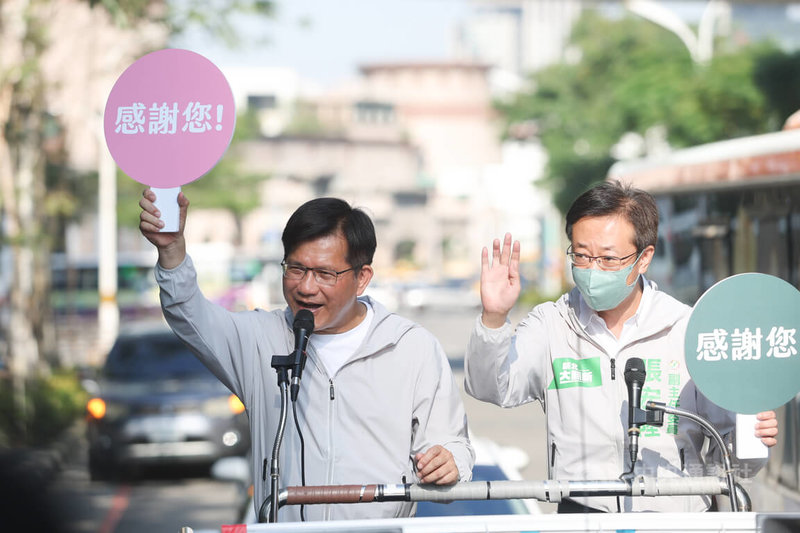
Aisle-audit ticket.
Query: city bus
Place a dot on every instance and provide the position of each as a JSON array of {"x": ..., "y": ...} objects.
[
  {"x": 726, "y": 208},
  {"x": 75, "y": 283}
]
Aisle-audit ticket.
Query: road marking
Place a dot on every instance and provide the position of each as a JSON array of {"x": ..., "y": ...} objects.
[{"x": 118, "y": 506}]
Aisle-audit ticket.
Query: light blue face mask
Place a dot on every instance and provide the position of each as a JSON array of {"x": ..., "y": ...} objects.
[{"x": 604, "y": 289}]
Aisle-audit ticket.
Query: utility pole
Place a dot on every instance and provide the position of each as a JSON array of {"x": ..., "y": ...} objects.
[{"x": 108, "y": 309}]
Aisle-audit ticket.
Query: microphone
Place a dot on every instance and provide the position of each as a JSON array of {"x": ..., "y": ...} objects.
[
  {"x": 634, "y": 378},
  {"x": 303, "y": 327}
]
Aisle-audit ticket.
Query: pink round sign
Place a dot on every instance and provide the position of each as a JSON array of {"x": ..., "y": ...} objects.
[{"x": 169, "y": 118}]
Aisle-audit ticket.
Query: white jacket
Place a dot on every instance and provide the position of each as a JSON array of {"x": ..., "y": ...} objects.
[
  {"x": 550, "y": 358},
  {"x": 394, "y": 397}
]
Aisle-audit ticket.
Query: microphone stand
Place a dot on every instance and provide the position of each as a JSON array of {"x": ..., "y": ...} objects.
[
  {"x": 281, "y": 364},
  {"x": 726, "y": 456},
  {"x": 643, "y": 418}
]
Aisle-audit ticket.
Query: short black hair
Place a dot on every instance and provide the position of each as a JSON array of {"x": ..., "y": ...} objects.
[
  {"x": 322, "y": 217},
  {"x": 613, "y": 198}
]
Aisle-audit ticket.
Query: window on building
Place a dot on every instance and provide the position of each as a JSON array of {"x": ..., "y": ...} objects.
[
  {"x": 410, "y": 199},
  {"x": 404, "y": 251},
  {"x": 261, "y": 101},
  {"x": 369, "y": 112}
]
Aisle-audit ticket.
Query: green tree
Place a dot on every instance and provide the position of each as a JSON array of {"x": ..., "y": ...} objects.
[
  {"x": 778, "y": 77},
  {"x": 634, "y": 76}
]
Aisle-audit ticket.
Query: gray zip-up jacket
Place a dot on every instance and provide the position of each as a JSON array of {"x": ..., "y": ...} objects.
[
  {"x": 395, "y": 397},
  {"x": 551, "y": 359}
]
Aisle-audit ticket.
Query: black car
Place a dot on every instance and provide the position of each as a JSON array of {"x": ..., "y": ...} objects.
[{"x": 158, "y": 405}]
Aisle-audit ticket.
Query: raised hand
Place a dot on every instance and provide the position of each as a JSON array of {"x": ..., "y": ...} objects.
[
  {"x": 171, "y": 245},
  {"x": 500, "y": 284},
  {"x": 767, "y": 428}
]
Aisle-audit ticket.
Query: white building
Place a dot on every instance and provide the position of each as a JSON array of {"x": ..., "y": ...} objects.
[{"x": 518, "y": 36}]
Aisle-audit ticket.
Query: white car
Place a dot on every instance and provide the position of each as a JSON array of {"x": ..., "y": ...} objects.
[{"x": 456, "y": 294}]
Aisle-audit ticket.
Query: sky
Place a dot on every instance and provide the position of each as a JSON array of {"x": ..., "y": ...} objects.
[{"x": 326, "y": 40}]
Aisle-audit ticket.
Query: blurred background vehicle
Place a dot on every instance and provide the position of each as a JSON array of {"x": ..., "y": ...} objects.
[
  {"x": 385, "y": 293},
  {"x": 156, "y": 404},
  {"x": 450, "y": 294}
]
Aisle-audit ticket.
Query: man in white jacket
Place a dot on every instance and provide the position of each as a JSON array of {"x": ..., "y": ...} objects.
[
  {"x": 570, "y": 355},
  {"x": 378, "y": 402}
]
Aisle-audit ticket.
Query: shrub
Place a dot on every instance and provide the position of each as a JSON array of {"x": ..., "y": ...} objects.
[
  {"x": 51, "y": 405},
  {"x": 531, "y": 298}
]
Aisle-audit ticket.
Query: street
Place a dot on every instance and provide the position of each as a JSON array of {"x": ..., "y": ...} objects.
[{"x": 152, "y": 503}]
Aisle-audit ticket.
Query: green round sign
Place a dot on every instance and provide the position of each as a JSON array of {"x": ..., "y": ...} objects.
[{"x": 741, "y": 343}]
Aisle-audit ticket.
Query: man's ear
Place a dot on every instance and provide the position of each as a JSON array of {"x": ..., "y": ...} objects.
[
  {"x": 363, "y": 278},
  {"x": 647, "y": 256}
]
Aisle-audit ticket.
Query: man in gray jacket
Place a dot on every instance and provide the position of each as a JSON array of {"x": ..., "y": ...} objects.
[
  {"x": 570, "y": 355},
  {"x": 378, "y": 402}
]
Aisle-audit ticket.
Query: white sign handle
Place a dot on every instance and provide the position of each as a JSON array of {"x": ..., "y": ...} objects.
[
  {"x": 748, "y": 446},
  {"x": 167, "y": 203}
]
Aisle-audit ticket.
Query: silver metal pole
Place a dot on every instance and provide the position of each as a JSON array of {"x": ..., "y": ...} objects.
[
  {"x": 547, "y": 491},
  {"x": 726, "y": 456}
]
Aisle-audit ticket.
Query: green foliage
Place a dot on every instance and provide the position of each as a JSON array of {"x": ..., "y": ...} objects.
[
  {"x": 215, "y": 17},
  {"x": 227, "y": 187},
  {"x": 531, "y": 297},
  {"x": 305, "y": 121},
  {"x": 633, "y": 76},
  {"x": 51, "y": 405},
  {"x": 125, "y": 12},
  {"x": 129, "y": 192},
  {"x": 248, "y": 126},
  {"x": 778, "y": 77}
]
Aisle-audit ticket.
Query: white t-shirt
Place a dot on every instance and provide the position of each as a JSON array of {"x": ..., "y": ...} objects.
[{"x": 335, "y": 349}]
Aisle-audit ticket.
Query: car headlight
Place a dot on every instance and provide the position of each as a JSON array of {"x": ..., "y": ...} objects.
[
  {"x": 225, "y": 406},
  {"x": 99, "y": 409},
  {"x": 230, "y": 438},
  {"x": 96, "y": 408},
  {"x": 235, "y": 404}
]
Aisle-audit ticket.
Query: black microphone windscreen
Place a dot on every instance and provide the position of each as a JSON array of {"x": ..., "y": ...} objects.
[
  {"x": 304, "y": 319},
  {"x": 634, "y": 371}
]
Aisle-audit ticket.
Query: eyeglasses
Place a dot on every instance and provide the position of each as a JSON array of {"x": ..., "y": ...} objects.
[
  {"x": 604, "y": 262},
  {"x": 321, "y": 275}
]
